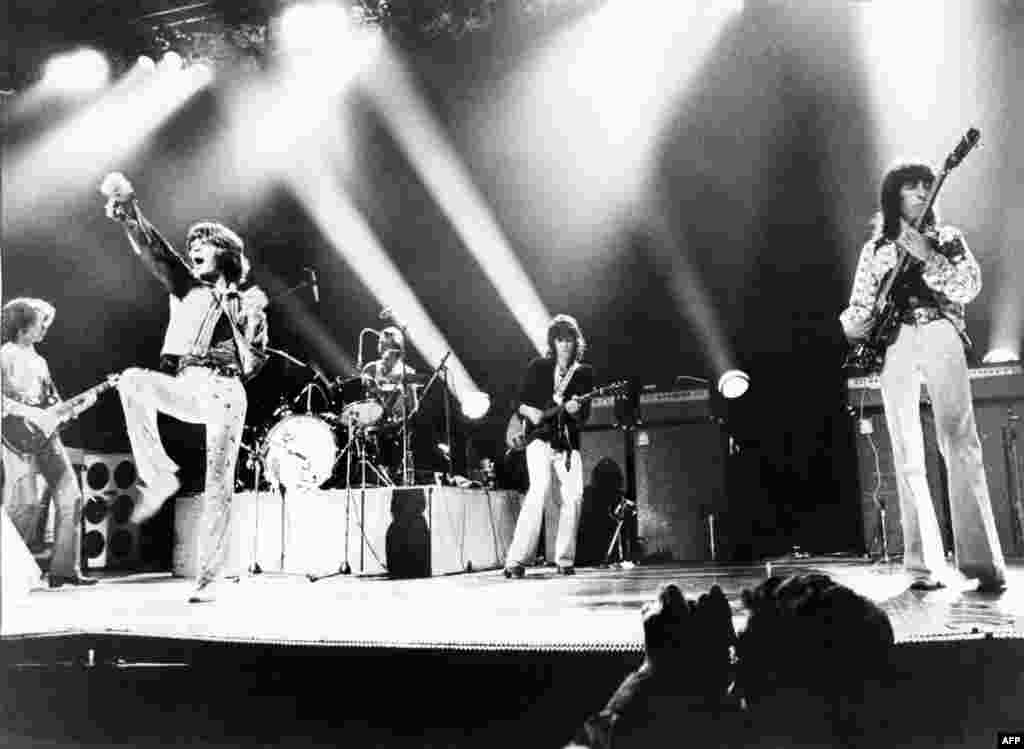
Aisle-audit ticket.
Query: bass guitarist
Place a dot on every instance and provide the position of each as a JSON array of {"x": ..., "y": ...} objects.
[
  {"x": 553, "y": 451},
  {"x": 29, "y": 392},
  {"x": 942, "y": 276}
]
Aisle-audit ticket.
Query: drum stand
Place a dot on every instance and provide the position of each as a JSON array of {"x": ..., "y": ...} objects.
[
  {"x": 356, "y": 443},
  {"x": 257, "y": 465}
]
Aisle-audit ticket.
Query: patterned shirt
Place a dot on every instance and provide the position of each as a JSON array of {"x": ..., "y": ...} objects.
[{"x": 951, "y": 272}]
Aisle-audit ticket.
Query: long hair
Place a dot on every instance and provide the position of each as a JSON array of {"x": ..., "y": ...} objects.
[
  {"x": 19, "y": 314},
  {"x": 887, "y": 220},
  {"x": 391, "y": 339},
  {"x": 565, "y": 326},
  {"x": 229, "y": 259}
]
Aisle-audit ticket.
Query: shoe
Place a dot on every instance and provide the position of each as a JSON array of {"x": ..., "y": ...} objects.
[
  {"x": 927, "y": 584},
  {"x": 992, "y": 585},
  {"x": 56, "y": 581},
  {"x": 567, "y": 570},
  {"x": 516, "y": 570},
  {"x": 203, "y": 593},
  {"x": 152, "y": 498}
]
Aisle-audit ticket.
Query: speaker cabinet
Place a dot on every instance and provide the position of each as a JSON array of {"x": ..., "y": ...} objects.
[
  {"x": 999, "y": 432},
  {"x": 605, "y": 479},
  {"x": 682, "y": 508},
  {"x": 110, "y": 540},
  {"x": 1002, "y": 444}
]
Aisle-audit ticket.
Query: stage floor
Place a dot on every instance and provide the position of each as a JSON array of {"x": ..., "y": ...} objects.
[{"x": 596, "y": 610}]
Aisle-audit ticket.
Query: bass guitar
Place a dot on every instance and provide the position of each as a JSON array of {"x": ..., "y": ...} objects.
[
  {"x": 26, "y": 438},
  {"x": 868, "y": 355},
  {"x": 520, "y": 431}
]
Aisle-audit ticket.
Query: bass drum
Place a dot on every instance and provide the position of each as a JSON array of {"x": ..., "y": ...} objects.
[{"x": 299, "y": 452}]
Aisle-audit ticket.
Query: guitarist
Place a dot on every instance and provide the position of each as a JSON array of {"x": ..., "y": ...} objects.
[
  {"x": 942, "y": 276},
  {"x": 553, "y": 453},
  {"x": 28, "y": 390}
]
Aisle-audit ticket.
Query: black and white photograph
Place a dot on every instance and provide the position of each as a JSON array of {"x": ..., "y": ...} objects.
[{"x": 454, "y": 373}]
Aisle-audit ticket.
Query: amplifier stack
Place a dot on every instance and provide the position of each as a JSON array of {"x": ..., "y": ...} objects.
[{"x": 671, "y": 453}]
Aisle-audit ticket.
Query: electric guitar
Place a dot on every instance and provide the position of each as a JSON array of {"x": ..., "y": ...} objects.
[
  {"x": 520, "y": 431},
  {"x": 868, "y": 355},
  {"x": 26, "y": 438}
]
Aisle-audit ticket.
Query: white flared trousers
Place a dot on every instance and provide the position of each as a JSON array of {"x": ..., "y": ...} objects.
[
  {"x": 198, "y": 396},
  {"x": 933, "y": 354},
  {"x": 546, "y": 468}
]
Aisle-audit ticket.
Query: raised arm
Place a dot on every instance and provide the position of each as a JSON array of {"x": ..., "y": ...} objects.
[{"x": 156, "y": 253}]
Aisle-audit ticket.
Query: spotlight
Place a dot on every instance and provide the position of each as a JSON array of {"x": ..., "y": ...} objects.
[
  {"x": 83, "y": 70},
  {"x": 145, "y": 64},
  {"x": 171, "y": 61},
  {"x": 475, "y": 405},
  {"x": 1000, "y": 356},
  {"x": 311, "y": 27},
  {"x": 733, "y": 384}
]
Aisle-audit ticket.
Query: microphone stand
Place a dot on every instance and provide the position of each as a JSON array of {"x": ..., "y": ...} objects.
[
  {"x": 359, "y": 346},
  {"x": 289, "y": 291},
  {"x": 441, "y": 367}
]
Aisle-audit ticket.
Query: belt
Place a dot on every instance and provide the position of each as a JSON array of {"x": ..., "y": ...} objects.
[
  {"x": 224, "y": 370},
  {"x": 921, "y": 315}
]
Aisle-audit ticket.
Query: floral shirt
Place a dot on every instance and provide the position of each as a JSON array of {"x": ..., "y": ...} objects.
[{"x": 952, "y": 273}]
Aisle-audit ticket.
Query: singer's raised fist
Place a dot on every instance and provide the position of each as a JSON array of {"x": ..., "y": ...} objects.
[{"x": 116, "y": 187}]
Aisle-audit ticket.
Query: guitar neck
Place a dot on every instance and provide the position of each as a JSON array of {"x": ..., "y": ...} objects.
[{"x": 72, "y": 407}]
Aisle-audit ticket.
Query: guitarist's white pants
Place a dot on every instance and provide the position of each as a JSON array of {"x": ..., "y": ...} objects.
[
  {"x": 547, "y": 471},
  {"x": 934, "y": 354},
  {"x": 197, "y": 396}
]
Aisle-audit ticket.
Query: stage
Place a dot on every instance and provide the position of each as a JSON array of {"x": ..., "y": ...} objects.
[
  {"x": 453, "y": 660},
  {"x": 597, "y": 610}
]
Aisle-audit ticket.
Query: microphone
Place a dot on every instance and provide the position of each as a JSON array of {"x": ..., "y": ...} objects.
[
  {"x": 116, "y": 186},
  {"x": 312, "y": 282}
]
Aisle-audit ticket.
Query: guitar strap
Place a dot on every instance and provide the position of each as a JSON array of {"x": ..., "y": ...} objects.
[
  {"x": 559, "y": 397},
  {"x": 563, "y": 383}
]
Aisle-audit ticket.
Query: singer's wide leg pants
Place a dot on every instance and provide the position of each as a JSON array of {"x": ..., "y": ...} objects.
[
  {"x": 547, "y": 467},
  {"x": 198, "y": 396},
  {"x": 933, "y": 353}
]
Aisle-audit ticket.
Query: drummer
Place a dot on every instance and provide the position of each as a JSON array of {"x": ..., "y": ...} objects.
[{"x": 386, "y": 376}]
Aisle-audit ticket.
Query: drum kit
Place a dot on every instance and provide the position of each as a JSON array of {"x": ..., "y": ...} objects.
[{"x": 349, "y": 434}]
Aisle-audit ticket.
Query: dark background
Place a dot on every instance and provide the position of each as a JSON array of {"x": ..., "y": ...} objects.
[{"x": 766, "y": 177}]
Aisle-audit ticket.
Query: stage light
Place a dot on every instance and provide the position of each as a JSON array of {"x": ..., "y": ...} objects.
[
  {"x": 733, "y": 384},
  {"x": 476, "y": 405},
  {"x": 306, "y": 25},
  {"x": 171, "y": 61},
  {"x": 82, "y": 70},
  {"x": 1000, "y": 356},
  {"x": 145, "y": 64}
]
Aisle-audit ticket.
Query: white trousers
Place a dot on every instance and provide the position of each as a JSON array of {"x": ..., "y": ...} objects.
[
  {"x": 934, "y": 354},
  {"x": 547, "y": 467},
  {"x": 197, "y": 396}
]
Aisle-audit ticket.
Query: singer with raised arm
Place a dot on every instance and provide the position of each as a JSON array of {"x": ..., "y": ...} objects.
[
  {"x": 216, "y": 338},
  {"x": 29, "y": 393},
  {"x": 937, "y": 278},
  {"x": 553, "y": 452}
]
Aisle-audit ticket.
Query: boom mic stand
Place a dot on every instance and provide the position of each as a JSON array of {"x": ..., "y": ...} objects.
[{"x": 441, "y": 367}]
